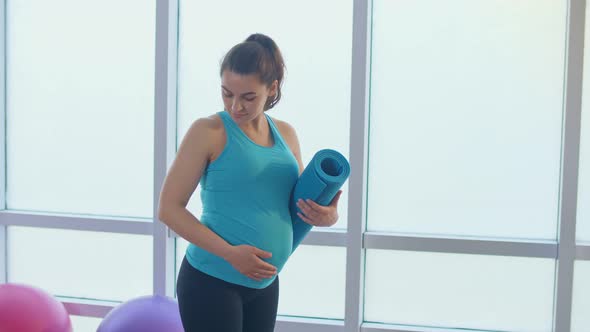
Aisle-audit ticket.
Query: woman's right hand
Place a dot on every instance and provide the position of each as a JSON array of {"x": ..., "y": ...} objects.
[{"x": 248, "y": 261}]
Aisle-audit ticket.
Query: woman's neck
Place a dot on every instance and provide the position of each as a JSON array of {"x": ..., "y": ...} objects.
[{"x": 256, "y": 125}]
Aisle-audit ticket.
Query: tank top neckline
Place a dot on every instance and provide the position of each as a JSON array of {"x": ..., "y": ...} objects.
[{"x": 224, "y": 115}]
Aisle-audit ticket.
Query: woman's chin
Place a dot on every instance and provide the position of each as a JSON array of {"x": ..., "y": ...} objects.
[{"x": 238, "y": 117}]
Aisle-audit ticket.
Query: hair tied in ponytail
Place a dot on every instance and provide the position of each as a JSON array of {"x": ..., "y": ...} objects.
[{"x": 259, "y": 55}]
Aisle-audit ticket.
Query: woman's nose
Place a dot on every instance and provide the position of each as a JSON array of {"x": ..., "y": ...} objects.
[{"x": 236, "y": 105}]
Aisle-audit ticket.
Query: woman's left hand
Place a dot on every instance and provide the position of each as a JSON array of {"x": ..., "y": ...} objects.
[{"x": 318, "y": 215}]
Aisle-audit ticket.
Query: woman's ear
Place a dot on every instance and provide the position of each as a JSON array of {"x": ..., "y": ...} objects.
[{"x": 273, "y": 88}]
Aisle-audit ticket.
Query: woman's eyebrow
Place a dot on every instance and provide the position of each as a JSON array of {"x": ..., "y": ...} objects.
[{"x": 243, "y": 94}]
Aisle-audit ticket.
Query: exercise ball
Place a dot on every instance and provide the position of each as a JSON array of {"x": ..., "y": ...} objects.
[
  {"x": 153, "y": 313},
  {"x": 25, "y": 308}
]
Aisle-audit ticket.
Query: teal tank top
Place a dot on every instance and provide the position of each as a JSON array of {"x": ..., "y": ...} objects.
[{"x": 245, "y": 194}]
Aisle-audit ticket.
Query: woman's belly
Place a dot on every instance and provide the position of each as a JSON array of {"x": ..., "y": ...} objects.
[{"x": 271, "y": 233}]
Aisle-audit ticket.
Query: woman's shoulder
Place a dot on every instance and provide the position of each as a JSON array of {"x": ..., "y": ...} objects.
[
  {"x": 211, "y": 122},
  {"x": 207, "y": 129},
  {"x": 210, "y": 126},
  {"x": 286, "y": 129},
  {"x": 208, "y": 132},
  {"x": 288, "y": 133}
]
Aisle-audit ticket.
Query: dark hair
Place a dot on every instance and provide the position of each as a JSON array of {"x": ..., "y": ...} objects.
[{"x": 258, "y": 54}]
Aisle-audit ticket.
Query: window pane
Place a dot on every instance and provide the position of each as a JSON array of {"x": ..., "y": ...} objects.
[
  {"x": 581, "y": 298},
  {"x": 466, "y": 117},
  {"x": 80, "y": 106},
  {"x": 316, "y": 94},
  {"x": 583, "y": 216},
  {"x": 312, "y": 281},
  {"x": 85, "y": 324},
  {"x": 80, "y": 264},
  {"x": 459, "y": 291}
]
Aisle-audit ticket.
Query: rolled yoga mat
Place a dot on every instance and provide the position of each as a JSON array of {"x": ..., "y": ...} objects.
[{"x": 320, "y": 181}]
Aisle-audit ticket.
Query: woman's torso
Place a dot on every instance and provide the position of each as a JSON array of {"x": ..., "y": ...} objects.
[{"x": 245, "y": 193}]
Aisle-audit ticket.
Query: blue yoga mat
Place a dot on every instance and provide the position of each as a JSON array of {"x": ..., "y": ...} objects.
[{"x": 320, "y": 181}]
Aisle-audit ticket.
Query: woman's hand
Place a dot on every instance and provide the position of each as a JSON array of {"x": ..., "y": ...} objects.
[
  {"x": 318, "y": 215},
  {"x": 248, "y": 261}
]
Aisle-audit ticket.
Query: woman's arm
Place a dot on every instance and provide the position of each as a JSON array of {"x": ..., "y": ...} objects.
[{"x": 180, "y": 183}]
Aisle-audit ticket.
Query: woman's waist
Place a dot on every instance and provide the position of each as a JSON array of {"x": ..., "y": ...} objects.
[
  {"x": 274, "y": 234},
  {"x": 238, "y": 202},
  {"x": 252, "y": 217}
]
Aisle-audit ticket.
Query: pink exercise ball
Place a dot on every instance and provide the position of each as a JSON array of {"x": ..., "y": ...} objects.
[{"x": 26, "y": 308}]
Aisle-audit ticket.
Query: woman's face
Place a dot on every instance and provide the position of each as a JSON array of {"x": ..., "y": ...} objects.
[{"x": 244, "y": 96}]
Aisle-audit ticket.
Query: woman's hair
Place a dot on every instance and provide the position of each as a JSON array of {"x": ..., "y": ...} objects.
[{"x": 258, "y": 54}]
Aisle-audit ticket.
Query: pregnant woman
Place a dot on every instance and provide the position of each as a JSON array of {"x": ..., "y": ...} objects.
[{"x": 247, "y": 164}]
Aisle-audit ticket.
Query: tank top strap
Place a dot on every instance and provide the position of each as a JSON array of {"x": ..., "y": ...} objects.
[
  {"x": 276, "y": 133},
  {"x": 227, "y": 122},
  {"x": 232, "y": 131}
]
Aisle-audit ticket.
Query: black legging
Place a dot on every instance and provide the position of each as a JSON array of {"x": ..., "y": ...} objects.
[{"x": 209, "y": 304}]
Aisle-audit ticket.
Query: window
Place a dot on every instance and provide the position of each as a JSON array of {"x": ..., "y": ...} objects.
[
  {"x": 465, "y": 129},
  {"x": 80, "y": 106},
  {"x": 459, "y": 291},
  {"x": 80, "y": 264}
]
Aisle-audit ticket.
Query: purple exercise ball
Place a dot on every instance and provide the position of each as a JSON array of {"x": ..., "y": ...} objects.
[{"x": 153, "y": 313}]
